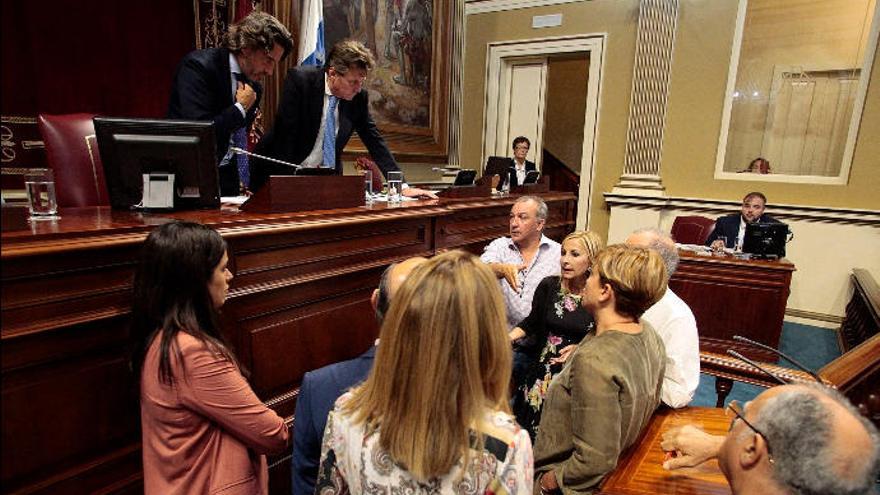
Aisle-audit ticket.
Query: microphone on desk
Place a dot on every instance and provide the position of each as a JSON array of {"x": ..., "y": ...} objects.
[
  {"x": 780, "y": 354},
  {"x": 757, "y": 366},
  {"x": 237, "y": 150}
]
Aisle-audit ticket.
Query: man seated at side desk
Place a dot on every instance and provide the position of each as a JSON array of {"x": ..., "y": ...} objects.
[
  {"x": 730, "y": 230},
  {"x": 792, "y": 439},
  {"x": 320, "y": 388}
]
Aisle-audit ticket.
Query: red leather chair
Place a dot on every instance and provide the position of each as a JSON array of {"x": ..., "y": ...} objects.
[
  {"x": 72, "y": 153},
  {"x": 692, "y": 229}
]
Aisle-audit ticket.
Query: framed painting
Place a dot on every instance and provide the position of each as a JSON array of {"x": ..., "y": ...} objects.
[{"x": 409, "y": 87}]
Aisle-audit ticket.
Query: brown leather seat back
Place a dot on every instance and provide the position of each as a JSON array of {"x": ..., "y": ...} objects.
[
  {"x": 692, "y": 229},
  {"x": 72, "y": 152}
]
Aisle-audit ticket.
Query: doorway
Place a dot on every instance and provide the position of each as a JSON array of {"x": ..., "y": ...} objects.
[{"x": 547, "y": 90}]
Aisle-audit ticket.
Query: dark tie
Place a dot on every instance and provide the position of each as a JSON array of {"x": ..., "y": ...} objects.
[
  {"x": 329, "y": 147},
  {"x": 240, "y": 140}
]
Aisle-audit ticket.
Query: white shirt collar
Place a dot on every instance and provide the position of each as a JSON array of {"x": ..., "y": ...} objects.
[
  {"x": 234, "y": 68},
  {"x": 327, "y": 91}
]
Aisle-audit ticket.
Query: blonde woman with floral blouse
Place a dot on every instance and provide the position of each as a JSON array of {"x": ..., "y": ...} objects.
[
  {"x": 433, "y": 416},
  {"x": 555, "y": 326}
]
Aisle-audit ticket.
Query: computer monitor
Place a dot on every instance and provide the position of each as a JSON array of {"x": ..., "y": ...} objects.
[
  {"x": 765, "y": 240},
  {"x": 132, "y": 147},
  {"x": 465, "y": 177}
]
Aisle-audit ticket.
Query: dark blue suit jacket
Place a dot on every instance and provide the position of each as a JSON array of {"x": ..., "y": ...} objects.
[
  {"x": 319, "y": 390},
  {"x": 728, "y": 226},
  {"x": 298, "y": 122},
  {"x": 202, "y": 90},
  {"x": 514, "y": 181}
]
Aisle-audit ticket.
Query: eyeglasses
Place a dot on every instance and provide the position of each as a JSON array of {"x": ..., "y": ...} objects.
[{"x": 734, "y": 407}]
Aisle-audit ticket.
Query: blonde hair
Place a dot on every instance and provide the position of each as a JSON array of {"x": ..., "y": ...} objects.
[
  {"x": 443, "y": 361},
  {"x": 590, "y": 240},
  {"x": 637, "y": 275}
]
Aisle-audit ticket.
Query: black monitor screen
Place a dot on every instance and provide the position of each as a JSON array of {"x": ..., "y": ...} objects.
[
  {"x": 131, "y": 148},
  {"x": 765, "y": 239}
]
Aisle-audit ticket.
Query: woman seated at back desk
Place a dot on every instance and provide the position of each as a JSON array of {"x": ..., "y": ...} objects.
[{"x": 610, "y": 386}]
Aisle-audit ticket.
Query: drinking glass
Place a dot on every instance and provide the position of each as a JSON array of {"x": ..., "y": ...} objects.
[
  {"x": 723, "y": 243},
  {"x": 368, "y": 186},
  {"x": 395, "y": 183},
  {"x": 40, "y": 186}
]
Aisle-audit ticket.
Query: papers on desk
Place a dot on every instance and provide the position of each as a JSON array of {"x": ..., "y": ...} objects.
[
  {"x": 696, "y": 248},
  {"x": 233, "y": 200},
  {"x": 701, "y": 250},
  {"x": 383, "y": 198}
]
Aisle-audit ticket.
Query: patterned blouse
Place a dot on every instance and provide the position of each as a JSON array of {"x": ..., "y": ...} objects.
[{"x": 353, "y": 462}]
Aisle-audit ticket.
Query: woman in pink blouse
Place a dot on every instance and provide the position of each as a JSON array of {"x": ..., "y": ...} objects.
[{"x": 204, "y": 429}]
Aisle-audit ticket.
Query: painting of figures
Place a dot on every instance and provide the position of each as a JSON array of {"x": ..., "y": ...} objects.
[{"x": 400, "y": 34}]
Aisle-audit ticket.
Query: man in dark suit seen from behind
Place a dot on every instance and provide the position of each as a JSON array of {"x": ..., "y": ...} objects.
[
  {"x": 733, "y": 227},
  {"x": 319, "y": 111},
  {"x": 223, "y": 85},
  {"x": 320, "y": 388}
]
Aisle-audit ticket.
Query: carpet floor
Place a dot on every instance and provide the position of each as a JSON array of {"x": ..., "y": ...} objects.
[{"x": 813, "y": 347}]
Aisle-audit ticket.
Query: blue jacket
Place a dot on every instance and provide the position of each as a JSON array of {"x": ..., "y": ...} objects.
[
  {"x": 728, "y": 226},
  {"x": 319, "y": 390}
]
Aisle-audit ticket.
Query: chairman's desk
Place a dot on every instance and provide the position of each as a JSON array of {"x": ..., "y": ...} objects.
[
  {"x": 299, "y": 300},
  {"x": 730, "y": 296}
]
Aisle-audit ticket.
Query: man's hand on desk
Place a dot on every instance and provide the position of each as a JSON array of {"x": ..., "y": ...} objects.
[
  {"x": 688, "y": 446},
  {"x": 415, "y": 192}
]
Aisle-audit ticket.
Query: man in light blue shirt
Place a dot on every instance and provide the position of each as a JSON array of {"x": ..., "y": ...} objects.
[{"x": 525, "y": 258}]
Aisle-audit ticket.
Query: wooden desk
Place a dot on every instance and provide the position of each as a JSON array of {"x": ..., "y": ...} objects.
[
  {"x": 735, "y": 297},
  {"x": 299, "y": 301},
  {"x": 640, "y": 471}
]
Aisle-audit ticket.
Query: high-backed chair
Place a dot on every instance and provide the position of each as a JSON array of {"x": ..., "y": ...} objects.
[
  {"x": 72, "y": 153},
  {"x": 692, "y": 229}
]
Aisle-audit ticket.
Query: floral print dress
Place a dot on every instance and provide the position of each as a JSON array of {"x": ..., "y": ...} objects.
[
  {"x": 556, "y": 321},
  {"x": 353, "y": 462}
]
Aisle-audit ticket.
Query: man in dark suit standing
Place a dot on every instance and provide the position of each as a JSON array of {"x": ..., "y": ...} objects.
[
  {"x": 519, "y": 166},
  {"x": 319, "y": 111},
  {"x": 320, "y": 388},
  {"x": 221, "y": 85},
  {"x": 733, "y": 227}
]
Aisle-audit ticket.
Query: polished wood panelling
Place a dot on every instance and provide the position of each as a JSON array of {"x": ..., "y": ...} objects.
[
  {"x": 299, "y": 300},
  {"x": 640, "y": 471},
  {"x": 734, "y": 297},
  {"x": 862, "y": 312}
]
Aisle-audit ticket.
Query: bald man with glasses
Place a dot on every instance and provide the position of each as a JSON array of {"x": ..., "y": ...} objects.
[{"x": 804, "y": 438}]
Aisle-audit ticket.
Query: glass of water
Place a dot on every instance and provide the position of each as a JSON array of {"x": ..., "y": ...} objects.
[
  {"x": 395, "y": 183},
  {"x": 368, "y": 186},
  {"x": 40, "y": 186}
]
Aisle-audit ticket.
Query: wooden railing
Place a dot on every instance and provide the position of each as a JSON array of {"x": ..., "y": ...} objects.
[
  {"x": 856, "y": 373},
  {"x": 562, "y": 178},
  {"x": 863, "y": 311}
]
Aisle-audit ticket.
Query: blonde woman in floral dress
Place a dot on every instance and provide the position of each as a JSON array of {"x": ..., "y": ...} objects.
[{"x": 555, "y": 326}]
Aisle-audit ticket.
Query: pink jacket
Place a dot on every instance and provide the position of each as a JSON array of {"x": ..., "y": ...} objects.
[{"x": 208, "y": 432}]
